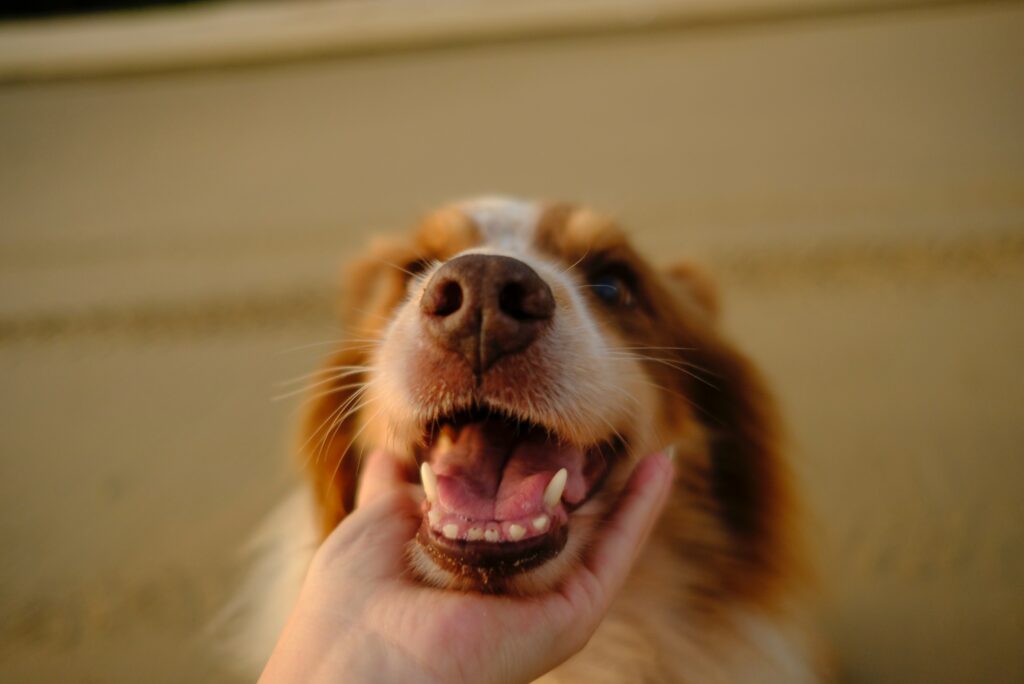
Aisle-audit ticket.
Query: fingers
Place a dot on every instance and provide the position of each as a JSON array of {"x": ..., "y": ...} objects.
[
  {"x": 370, "y": 542},
  {"x": 381, "y": 473},
  {"x": 642, "y": 502},
  {"x": 386, "y": 515}
]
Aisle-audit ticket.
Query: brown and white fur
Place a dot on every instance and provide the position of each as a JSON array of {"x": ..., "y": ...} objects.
[{"x": 718, "y": 593}]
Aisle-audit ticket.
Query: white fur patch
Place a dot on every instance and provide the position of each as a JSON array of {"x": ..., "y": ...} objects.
[
  {"x": 281, "y": 550},
  {"x": 504, "y": 222},
  {"x": 773, "y": 649}
]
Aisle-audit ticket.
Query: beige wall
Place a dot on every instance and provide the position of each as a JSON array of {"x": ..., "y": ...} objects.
[{"x": 855, "y": 179}]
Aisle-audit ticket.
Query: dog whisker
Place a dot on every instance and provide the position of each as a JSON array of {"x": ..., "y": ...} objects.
[
  {"x": 374, "y": 315},
  {"x": 335, "y": 343},
  {"x": 654, "y": 348},
  {"x": 337, "y": 422},
  {"x": 317, "y": 395},
  {"x": 328, "y": 420},
  {"x": 397, "y": 267},
  {"x": 676, "y": 366},
  {"x": 354, "y": 439},
  {"x": 326, "y": 375},
  {"x": 577, "y": 262}
]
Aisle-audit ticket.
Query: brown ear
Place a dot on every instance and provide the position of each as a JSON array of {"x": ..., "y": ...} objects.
[
  {"x": 748, "y": 475},
  {"x": 373, "y": 282},
  {"x": 746, "y": 478},
  {"x": 371, "y": 287},
  {"x": 695, "y": 288}
]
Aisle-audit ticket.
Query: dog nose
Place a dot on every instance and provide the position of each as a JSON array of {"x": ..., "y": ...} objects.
[{"x": 486, "y": 306}]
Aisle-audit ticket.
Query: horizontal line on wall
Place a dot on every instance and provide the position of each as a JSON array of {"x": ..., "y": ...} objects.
[
  {"x": 982, "y": 257},
  {"x": 825, "y": 263},
  {"x": 170, "y": 321}
]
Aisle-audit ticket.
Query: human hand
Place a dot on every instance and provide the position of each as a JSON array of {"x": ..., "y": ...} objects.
[{"x": 361, "y": 617}]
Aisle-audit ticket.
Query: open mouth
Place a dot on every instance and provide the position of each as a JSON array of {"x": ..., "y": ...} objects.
[{"x": 500, "y": 491}]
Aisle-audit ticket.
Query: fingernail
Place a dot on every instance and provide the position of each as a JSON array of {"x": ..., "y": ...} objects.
[{"x": 670, "y": 452}]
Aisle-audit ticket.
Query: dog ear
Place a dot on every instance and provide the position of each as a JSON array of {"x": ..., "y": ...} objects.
[
  {"x": 695, "y": 289},
  {"x": 371, "y": 287},
  {"x": 746, "y": 477},
  {"x": 375, "y": 282}
]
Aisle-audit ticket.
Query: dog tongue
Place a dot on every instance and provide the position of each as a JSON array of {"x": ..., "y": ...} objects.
[{"x": 492, "y": 471}]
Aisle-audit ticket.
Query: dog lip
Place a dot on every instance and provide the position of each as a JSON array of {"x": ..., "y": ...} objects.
[
  {"x": 485, "y": 562},
  {"x": 446, "y": 424}
]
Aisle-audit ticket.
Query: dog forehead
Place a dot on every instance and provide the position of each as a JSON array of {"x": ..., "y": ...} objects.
[
  {"x": 530, "y": 230},
  {"x": 504, "y": 223}
]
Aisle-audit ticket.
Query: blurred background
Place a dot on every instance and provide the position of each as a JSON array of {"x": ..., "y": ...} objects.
[{"x": 178, "y": 186}]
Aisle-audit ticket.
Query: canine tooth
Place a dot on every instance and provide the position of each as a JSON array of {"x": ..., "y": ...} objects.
[
  {"x": 429, "y": 480},
  {"x": 491, "y": 535},
  {"x": 540, "y": 523},
  {"x": 434, "y": 516},
  {"x": 443, "y": 443},
  {"x": 516, "y": 532},
  {"x": 451, "y": 530},
  {"x": 553, "y": 493},
  {"x": 474, "y": 534}
]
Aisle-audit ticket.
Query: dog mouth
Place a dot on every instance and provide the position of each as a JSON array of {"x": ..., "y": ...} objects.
[{"x": 500, "y": 491}]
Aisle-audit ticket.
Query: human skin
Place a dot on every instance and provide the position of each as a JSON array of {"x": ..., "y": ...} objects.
[{"x": 362, "y": 618}]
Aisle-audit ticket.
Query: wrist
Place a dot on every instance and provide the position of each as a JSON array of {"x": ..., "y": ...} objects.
[
  {"x": 374, "y": 659},
  {"x": 313, "y": 651}
]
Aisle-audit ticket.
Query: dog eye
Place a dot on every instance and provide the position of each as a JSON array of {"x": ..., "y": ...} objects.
[
  {"x": 611, "y": 289},
  {"x": 415, "y": 267}
]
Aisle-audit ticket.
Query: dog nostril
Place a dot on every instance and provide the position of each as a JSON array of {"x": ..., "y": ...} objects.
[
  {"x": 510, "y": 299},
  {"x": 447, "y": 299},
  {"x": 523, "y": 304}
]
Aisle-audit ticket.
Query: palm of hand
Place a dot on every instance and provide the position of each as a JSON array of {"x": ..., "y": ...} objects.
[
  {"x": 481, "y": 637},
  {"x": 362, "y": 618}
]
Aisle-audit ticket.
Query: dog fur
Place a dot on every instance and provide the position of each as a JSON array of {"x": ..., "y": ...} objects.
[{"x": 720, "y": 592}]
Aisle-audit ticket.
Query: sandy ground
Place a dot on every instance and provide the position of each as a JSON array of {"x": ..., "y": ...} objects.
[{"x": 168, "y": 252}]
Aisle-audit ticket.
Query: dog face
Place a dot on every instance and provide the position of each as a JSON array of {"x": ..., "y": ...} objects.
[{"x": 520, "y": 357}]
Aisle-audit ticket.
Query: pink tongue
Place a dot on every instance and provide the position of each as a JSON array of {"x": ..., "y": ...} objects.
[{"x": 491, "y": 473}]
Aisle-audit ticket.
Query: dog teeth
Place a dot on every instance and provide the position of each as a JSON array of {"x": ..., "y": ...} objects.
[
  {"x": 553, "y": 493},
  {"x": 514, "y": 532},
  {"x": 443, "y": 444},
  {"x": 429, "y": 480}
]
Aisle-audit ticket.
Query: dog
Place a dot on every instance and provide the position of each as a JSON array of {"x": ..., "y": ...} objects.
[{"x": 520, "y": 357}]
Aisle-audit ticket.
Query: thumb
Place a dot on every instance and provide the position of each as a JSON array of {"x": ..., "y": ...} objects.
[
  {"x": 642, "y": 502},
  {"x": 381, "y": 474},
  {"x": 384, "y": 519}
]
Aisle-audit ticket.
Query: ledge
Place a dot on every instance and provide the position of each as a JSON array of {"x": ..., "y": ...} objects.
[{"x": 239, "y": 34}]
